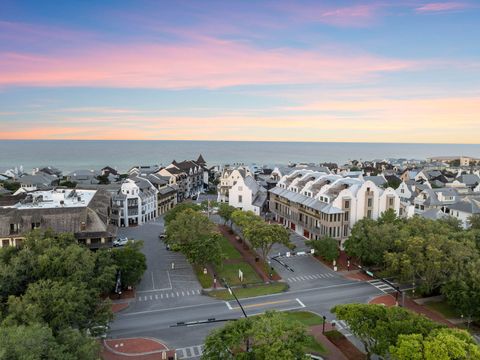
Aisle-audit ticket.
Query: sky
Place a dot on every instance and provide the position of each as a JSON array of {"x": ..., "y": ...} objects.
[{"x": 354, "y": 71}]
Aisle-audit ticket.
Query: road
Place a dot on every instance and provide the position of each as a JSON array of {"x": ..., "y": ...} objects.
[{"x": 167, "y": 296}]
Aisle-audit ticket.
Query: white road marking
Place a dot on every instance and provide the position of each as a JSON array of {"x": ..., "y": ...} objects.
[
  {"x": 228, "y": 305},
  {"x": 301, "y": 303},
  {"x": 188, "y": 293},
  {"x": 153, "y": 282}
]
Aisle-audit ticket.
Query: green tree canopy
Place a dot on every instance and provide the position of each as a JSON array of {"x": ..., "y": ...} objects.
[
  {"x": 192, "y": 233},
  {"x": 172, "y": 213},
  {"x": 441, "y": 344},
  {"x": 463, "y": 289},
  {"x": 327, "y": 248},
  {"x": 269, "y": 337},
  {"x": 378, "y": 327},
  {"x": 132, "y": 263},
  {"x": 244, "y": 218},
  {"x": 60, "y": 305},
  {"x": 226, "y": 211},
  {"x": 263, "y": 236},
  {"x": 474, "y": 221}
]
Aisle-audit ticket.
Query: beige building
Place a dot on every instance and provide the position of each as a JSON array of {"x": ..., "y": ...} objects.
[
  {"x": 85, "y": 213},
  {"x": 316, "y": 204}
]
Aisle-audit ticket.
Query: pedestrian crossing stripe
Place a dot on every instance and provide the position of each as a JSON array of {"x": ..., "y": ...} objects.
[
  {"x": 310, "y": 277},
  {"x": 169, "y": 295},
  {"x": 383, "y": 287},
  {"x": 189, "y": 352}
]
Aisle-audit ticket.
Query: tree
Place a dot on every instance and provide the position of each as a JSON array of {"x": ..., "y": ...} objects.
[
  {"x": 131, "y": 262},
  {"x": 369, "y": 240},
  {"x": 195, "y": 236},
  {"x": 474, "y": 221},
  {"x": 327, "y": 248},
  {"x": 187, "y": 227},
  {"x": 452, "y": 222},
  {"x": 243, "y": 218},
  {"x": 463, "y": 290},
  {"x": 172, "y": 213},
  {"x": 441, "y": 344},
  {"x": 11, "y": 185},
  {"x": 263, "y": 236},
  {"x": 226, "y": 211},
  {"x": 58, "y": 304},
  {"x": 36, "y": 341},
  {"x": 205, "y": 251},
  {"x": 269, "y": 336},
  {"x": 378, "y": 327}
]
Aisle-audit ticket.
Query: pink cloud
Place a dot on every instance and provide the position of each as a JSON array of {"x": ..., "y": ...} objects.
[
  {"x": 441, "y": 7},
  {"x": 207, "y": 63},
  {"x": 349, "y": 16}
]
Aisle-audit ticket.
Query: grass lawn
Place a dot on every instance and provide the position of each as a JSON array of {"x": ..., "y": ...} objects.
[
  {"x": 314, "y": 347},
  {"x": 228, "y": 250},
  {"x": 205, "y": 280},
  {"x": 443, "y": 308},
  {"x": 230, "y": 273},
  {"x": 250, "y": 291},
  {"x": 307, "y": 318}
]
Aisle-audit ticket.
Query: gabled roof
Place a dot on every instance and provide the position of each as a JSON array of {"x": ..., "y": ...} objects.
[
  {"x": 201, "y": 160},
  {"x": 377, "y": 180},
  {"x": 251, "y": 184}
]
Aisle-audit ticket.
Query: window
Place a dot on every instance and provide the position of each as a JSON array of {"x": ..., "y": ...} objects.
[
  {"x": 369, "y": 202},
  {"x": 14, "y": 229},
  {"x": 390, "y": 201},
  {"x": 369, "y": 214},
  {"x": 240, "y": 188},
  {"x": 35, "y": 225},
  {"x": 240, "y": 198},
  {"x": 346, "y": 216},
  {"x": 347, "y": 204}
]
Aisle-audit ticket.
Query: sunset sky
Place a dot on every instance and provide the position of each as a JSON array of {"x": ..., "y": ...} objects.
[{"x": 366, "y": 71}]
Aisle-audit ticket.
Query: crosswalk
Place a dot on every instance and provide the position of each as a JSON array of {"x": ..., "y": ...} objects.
[
  {"x": 310, "y": 277},
  {"x": 380, "y": 285},
  {"x": 169, "y": 295},
  {"x": 190, "y": 352}
]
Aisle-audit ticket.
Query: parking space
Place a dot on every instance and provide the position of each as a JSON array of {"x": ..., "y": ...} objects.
[{"x": 169, "y": 277}]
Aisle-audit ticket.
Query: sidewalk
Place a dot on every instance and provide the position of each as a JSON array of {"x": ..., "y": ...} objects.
[{"x": 135, "y": 348}]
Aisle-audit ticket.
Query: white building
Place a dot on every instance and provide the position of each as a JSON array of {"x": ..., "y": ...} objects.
[
  {"x": 229, "y": 177},
  {"x": 247, "y": 195},
  {"x": 135, "y": 203}
]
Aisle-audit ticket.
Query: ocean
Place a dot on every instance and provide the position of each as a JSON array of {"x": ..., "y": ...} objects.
[{"x": 70, "y": 155}]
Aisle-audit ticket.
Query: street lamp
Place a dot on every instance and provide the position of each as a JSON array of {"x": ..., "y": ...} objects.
[{"x": 230, "y": 290}]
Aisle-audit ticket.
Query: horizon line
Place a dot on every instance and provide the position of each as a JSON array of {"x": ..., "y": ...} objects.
[{"x": 267, "y": 141}]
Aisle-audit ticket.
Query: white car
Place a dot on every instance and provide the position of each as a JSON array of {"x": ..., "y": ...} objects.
[{"x": 120, "y": 242}]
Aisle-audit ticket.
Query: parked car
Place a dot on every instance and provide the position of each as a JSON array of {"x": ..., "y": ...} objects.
[
  {"x": 120, "y": 242},
  {"x": 99, "y": 331},
  {"x": 162, "y": 236}
]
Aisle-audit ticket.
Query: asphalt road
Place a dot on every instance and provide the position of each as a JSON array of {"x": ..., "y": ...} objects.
[{"x": 168, "y": 296}]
